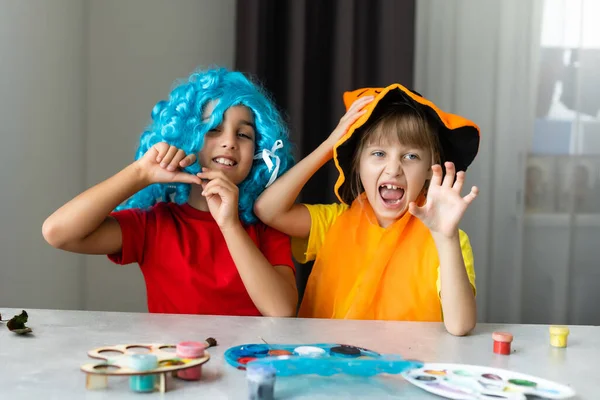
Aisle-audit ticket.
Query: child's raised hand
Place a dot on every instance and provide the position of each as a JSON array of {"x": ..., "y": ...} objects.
[
  {"x": 222, "y": 197},
  {"x": 163, "y": 164},
  {"x": 354, "y": 112},
  {"x": 445, "y": 206}
]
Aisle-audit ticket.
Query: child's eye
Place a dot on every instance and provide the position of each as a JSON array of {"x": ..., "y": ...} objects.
[
  {"x": 378, "y": 153},
  {"x": 411, "y": 156},
  {"x": 244, "y": 135},
  {"x": 215, "y": 130}
]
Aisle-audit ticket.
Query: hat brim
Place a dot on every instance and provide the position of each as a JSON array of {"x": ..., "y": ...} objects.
[{"x": 458, "y": 137}]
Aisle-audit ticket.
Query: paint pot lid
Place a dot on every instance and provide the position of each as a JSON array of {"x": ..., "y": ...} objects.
[
  {"x": 143, "y": 362},
  {"x": 309, "y": 351},
  {"x": 502, "y": 337},
  {"x": 257, "y": 372},
  {"x": 190, "y": 349},
  {"x": 559, "y": 330}
]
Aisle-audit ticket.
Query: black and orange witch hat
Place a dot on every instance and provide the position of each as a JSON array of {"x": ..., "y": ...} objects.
[{"x": 458, "y": 137}]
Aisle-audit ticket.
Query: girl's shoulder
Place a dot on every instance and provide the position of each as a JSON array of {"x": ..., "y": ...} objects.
[{"x": 327, "y": 212}]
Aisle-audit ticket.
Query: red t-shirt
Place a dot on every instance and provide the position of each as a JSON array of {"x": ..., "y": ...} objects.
[{"x": 186, "y": 263}]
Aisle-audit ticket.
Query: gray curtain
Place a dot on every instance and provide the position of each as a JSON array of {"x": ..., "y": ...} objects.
[{"x": 308, "y": 52}]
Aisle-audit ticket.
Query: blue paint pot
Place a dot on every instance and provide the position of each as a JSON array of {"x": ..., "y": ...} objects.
[{"x": 142, "y": 363}]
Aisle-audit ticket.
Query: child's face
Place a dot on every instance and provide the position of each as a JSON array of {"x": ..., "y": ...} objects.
[
  {"x": 393, "y": 175},
  {"x": 230, "y": 146}
]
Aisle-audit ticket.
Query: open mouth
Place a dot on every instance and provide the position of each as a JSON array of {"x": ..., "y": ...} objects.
[
  {"x": 226, "y": 162},
  {"x": 391, "y": 195}
]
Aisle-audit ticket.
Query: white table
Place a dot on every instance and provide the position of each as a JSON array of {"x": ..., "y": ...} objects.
[{"x": 45, "y": 365}]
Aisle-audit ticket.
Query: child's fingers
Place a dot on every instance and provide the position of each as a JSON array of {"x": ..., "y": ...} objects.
[
  {"x": 217, "y": 188},
  {"x": 450, "y": 173},
  {"x": 460, "y": 180},
  {"x": 161, "y": 149},
  {"x": 356, "y": 108},
  {"x": 436, "y": 177},
  {"x": 472, "y": 195},
  {"x": 187, "y": 161},
  {"x": 351, "y": 119},
  {"x": 169, "y": 156},
  {"x": 222, "y": 183},
  {"x": 184, "y": 177},
  {"x": 360, "y": 103},
  {"x": 213, "y": 174},
  {"x": 174, "y": 164}
]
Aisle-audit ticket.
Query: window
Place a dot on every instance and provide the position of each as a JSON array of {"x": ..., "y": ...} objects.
[{"x": 563, "y": 167}]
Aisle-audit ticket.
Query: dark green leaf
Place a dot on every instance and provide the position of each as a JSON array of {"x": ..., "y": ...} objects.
[{"x": 18, "y": 322}]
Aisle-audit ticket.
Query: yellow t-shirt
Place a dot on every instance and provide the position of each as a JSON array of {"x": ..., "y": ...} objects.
[{"x": 367, "y": 296}]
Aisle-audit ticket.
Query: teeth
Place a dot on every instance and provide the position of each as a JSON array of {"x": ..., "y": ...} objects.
[
  {"x": 224, "y": 161},
  {"x": 388, "y": 186}
]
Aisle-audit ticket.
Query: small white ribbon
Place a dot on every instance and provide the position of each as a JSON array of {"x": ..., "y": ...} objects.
[{"x": 266, "y": 155}]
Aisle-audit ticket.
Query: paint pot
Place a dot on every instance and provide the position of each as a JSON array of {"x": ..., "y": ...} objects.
[
  {"x": 190, "y": 350},
  {"x": 502, "y": 341},
  {"x": 142, "y": 363},
  {"x": 261, "y": 382},
  {"x": 558, "y": 335}
]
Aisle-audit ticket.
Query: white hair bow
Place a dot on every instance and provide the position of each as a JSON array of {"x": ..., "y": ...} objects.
[{"x": 266, "y": 155}]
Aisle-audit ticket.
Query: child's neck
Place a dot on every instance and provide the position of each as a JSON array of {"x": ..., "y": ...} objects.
[{"x": 196, "y": 200}]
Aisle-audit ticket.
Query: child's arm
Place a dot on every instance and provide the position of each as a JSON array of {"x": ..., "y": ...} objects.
[
  {"x": 442, "y": 213},
  {"x": 276, "y": 207},
  {"x": 83, "y": 225},
  {"x": 272, "y": 288}
]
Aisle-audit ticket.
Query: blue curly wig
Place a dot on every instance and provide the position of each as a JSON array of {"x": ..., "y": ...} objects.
[{"x": 178, "y": 121}]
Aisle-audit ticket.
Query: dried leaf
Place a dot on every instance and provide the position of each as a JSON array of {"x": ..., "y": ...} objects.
[{"x": 17, "y": 323}]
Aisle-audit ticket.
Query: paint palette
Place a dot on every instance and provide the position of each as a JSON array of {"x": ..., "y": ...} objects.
[
  {"x": 115, "y": 362},
  {"x": 469, "y": 382},
  {"x": 321, "y": 359}
]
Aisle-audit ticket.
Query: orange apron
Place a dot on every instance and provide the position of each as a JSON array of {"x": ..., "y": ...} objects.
[{"x": 364, "y": 271}]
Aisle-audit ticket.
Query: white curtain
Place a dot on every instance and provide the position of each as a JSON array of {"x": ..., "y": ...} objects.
[
  {"x": 479, "y": 58},
  {"x": 528, "y": 73}
]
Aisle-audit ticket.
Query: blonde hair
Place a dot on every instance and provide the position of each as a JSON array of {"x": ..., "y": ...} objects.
[{"x": 393, "y": 121}]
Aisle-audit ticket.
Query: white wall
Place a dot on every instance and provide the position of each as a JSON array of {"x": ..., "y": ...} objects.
[
  {"x": 42, "y": 114},
  {"x": 78, "y": 79},
  {"x": 137, "y": 49}
]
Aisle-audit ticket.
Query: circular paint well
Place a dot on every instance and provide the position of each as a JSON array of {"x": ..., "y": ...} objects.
[
  {"x": 345, "y": 351},
  {"x": 280, "y": 353},
  {"x": 462, "y": 373},
  {"x": 435, "y": 372},
  {"x": 309, "y": 351},
  {"x": 254, "y": 349},
  {"x": 491, "y": 377},
  {"x": 170, "y": 362},
  {"x": 522, "y": 382},
  {"x": 245, "y": 360},
  {"x": 425, "y": 378},
  {"x": 107, "y": 367}
]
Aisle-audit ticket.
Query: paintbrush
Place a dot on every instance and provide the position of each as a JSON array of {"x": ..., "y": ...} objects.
[{"x": 210, "y": 342}]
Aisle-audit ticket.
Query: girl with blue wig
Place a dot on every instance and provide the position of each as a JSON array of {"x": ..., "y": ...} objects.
[{"x": 184, "y": 208}]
